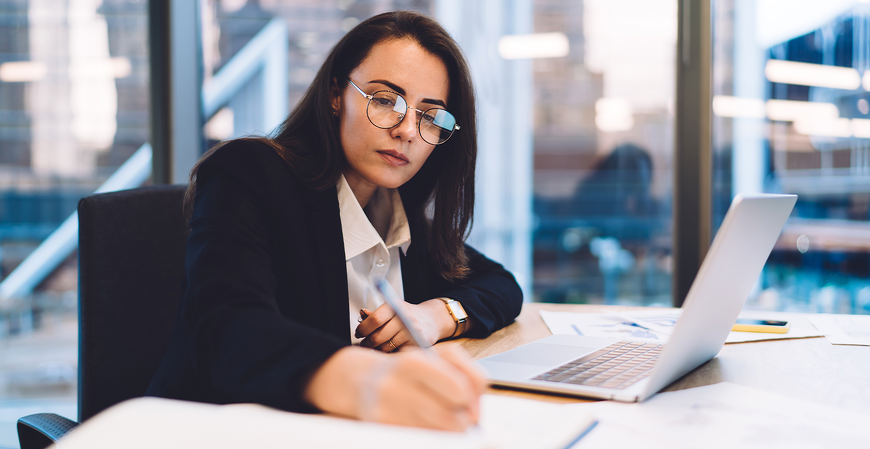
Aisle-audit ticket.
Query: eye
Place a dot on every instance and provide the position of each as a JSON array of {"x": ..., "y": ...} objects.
[
  {"x": 428, "y": 118},
  {"x": 386, "y": 102}
]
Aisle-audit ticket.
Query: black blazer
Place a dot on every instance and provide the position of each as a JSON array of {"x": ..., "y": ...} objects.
[{"x": 267, "y": 298}]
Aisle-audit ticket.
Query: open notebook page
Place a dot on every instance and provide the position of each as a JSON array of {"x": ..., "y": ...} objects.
[{"x": 506, "y": 423}]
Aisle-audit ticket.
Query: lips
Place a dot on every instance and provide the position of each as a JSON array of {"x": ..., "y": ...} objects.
[{"x": 394, "y": 157}]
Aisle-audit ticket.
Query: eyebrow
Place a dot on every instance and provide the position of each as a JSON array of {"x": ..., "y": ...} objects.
[{"x": 401, "y": 91}]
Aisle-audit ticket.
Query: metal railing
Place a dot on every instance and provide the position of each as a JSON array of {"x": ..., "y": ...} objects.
[{"x": 54, "y": 249}]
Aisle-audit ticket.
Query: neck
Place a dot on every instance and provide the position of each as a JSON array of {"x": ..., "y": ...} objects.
[{"x": 362, "y": 189}]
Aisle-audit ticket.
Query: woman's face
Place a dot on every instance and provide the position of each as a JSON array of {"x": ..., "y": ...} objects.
[{"x": 389, "y": 157}]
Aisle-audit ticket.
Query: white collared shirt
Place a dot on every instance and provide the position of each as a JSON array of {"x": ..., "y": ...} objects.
[{"x": 372, "y": 240}]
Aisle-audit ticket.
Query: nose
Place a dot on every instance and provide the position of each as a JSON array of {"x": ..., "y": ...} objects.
[{"x": 407, "y": 128}]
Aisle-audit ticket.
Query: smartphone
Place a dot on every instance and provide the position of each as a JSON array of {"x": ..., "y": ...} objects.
[{"x": 754, "y": 325}]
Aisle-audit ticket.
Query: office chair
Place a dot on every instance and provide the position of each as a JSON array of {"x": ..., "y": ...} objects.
[{"x": 131, "y": 280}]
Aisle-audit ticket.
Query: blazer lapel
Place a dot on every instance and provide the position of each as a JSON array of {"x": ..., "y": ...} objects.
[{"x": 329, "y": 242}]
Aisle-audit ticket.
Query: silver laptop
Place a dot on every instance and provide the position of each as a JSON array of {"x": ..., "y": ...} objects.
[{"x": 633, "y": 371}]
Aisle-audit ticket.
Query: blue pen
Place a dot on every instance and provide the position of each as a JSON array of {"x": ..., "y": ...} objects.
[
  {"x": 390, "y": 296},
  {"x": 417, "y": 338}
]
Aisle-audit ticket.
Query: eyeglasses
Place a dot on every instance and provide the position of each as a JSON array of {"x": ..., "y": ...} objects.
[{"x": 386, "y": 109}]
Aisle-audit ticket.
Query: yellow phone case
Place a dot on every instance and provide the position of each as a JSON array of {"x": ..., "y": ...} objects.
[{"x": 761, "y": 328}]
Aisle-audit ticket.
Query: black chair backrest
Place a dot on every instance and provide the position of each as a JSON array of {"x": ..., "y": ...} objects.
[{"x": 131, "y": 281}]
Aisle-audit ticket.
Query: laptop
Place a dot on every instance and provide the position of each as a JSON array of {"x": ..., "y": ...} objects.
[{"x": 631, "y": 371}]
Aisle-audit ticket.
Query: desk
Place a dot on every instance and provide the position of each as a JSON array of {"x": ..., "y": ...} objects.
[{"x": 809, "y": 368}]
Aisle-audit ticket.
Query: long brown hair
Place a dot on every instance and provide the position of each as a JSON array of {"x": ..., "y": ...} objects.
[{"x": 309, "y": 141}]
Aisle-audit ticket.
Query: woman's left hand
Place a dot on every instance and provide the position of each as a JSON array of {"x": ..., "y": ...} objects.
[{"x": 384, "y": 331}]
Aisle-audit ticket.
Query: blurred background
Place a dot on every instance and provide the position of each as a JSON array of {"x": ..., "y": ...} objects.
[{"x": 577, "y": 142}]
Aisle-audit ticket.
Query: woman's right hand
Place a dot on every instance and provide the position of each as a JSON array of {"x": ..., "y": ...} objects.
[{"x": 405, "y": 388}]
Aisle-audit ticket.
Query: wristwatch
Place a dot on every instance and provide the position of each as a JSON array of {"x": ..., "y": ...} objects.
[{"x": 458, "y": 313}]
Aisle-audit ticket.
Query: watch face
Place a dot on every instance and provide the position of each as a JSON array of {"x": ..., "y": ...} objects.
[{"x": 457, "y": 310}]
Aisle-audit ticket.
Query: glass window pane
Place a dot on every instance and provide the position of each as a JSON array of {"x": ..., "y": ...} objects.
[
  {"x": 790, "y": 113},
  {"x": 603, "y": 146},
  {"x": 74, "y": 106}
]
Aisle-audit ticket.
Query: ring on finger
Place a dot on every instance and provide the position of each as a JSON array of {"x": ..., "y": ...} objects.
[{"x": 392, "y": 345}]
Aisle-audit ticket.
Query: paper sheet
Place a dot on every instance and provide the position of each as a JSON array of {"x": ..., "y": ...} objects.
[
  {"x": 728, "y": 416},
  {"x": 656, "y": 325},
  {"x": 615, "y": 435},
  {"x": 844, "y": 329},
  {"x": 514, "y": 423},
  {"x": 506, "y": 423},
  {"x": 602, "y": 325}
]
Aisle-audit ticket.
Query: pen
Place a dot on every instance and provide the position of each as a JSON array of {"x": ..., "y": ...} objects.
[
  {"x": 398, "y": 306},
  {"x": 582, "y": 434},
  {"x": 417, "y": 338},
  {"x": 644, "y": 324}
]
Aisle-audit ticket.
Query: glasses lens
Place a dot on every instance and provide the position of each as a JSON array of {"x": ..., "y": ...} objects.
[
  {"x": 386, "y": 109},
  {"x": 436, "y": 126}
]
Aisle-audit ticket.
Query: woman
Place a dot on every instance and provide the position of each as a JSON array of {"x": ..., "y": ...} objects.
[{"x": 287, "y": 232}]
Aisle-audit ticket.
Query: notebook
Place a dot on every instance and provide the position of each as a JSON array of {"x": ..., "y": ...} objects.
[{"x": 506, "y": 423}]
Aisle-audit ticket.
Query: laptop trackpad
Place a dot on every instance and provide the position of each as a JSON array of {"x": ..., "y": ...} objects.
[{"x": 541, "y": 354}]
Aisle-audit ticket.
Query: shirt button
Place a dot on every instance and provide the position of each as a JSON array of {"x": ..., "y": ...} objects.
[{"x": 379, "y": 263}]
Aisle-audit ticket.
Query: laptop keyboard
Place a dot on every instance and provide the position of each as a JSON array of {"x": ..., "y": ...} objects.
[{"x": 616, "y": 366}]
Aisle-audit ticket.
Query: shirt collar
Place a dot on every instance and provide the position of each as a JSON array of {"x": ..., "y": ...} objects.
[{"x": 357, "y": 230}]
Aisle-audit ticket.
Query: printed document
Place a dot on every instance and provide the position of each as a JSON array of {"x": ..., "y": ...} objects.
[
  {"x": 844, "y": 329},
  {"x": 655, "y": 325}
]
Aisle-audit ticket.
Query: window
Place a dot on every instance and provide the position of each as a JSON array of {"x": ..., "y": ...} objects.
[
  {"x": 791, "y": 115},
  {"x": 73, "y": 108},
  {"x": 603, "y": 148}
]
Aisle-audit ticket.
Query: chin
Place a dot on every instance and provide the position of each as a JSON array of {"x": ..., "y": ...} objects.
[{"x": 390, "y": 179}]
